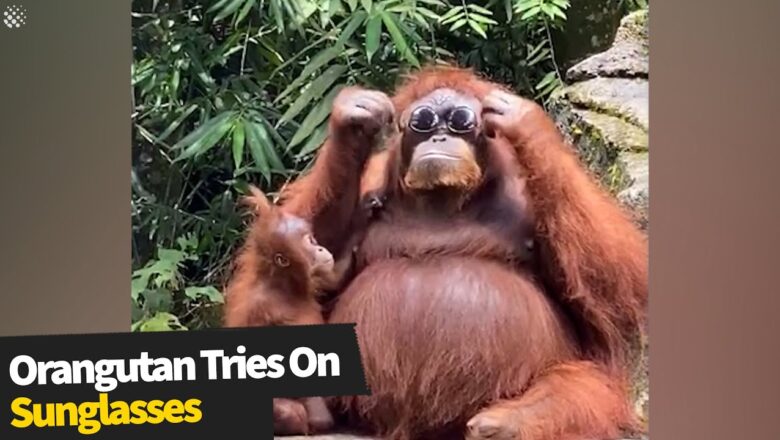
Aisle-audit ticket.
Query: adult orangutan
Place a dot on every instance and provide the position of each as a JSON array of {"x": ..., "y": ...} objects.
[{"x": 497, "y": 290}]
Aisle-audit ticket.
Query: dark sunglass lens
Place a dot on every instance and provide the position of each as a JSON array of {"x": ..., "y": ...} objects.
[
  {"x": 462, "y": 120},
  {"x": 423, "y": 119}
]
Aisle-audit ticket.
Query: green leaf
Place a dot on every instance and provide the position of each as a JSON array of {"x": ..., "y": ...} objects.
[
  {"x": 450, "y": 14},
  {"x": 209, "y": 139},
  {"x": 175, "y": 79},
  {"x": 444, "y": 52},
  {"x": 257, "y": 149},
  {"x": 238, "y": 143},
  {"x": 353, "y": 24},
  {"x": 459, "y": 16},
  {"x": 410, "y": 32},
  {"x": 373, "y": 34},
  {"x": 229, "y": 9},
  {"x": 210, "y": 293},
  {"x": 277, "y": 139},
  {"x": 558, "y": 13},
  {"x": 188, "y": 243},
  {"x": 315, "y": 117},
  {"x": 273, "y": 56},
  {"x": 217, "y": 5},
  {"x": 268, "y": 139},
  {"x": 161, "y": 322},
  {"x": 433, "y": 2},
  {"x": 200, "y": 71},
  {"x": 474, "y": 25},
  {"x": 315, "y": 141},
  {"x": 138, "y": 286},
  {"x": 313, "y": 92},
  {"x": 202, "y": 129},
  {"x": 401, "y": 9},
  {"x": 335, "y": 7},
  {"x": 175, "y": 124},
  {"x": 150, "y": 85},
  {"x": 252, "y": 86},
  {"x": 276, "y": 11},
  {"x": 283, "y": 65},
  {"x": 162, "y": 271},
  {"x": 367, "y": 4},
  {"x": 315, "y": 63},
  {"x": 479, "y": 9},
  {"x": 541, "y": 56},
  {"x": 428, "y": 13},
  {"x": 300, "y": 10},
  {"x": 245, "y": 11},
  {"x": 551, "y": 76},
  {"x": 549, "y": 88},
  {"x": 547, "y": 9},
  {"x": 534, "y": 50},
  {"x": 525, "y": 5},
  {"x": 158, "y": 300},
  {"x": 421, "y": 19},
  {"x": 458, "y": 24},
  {"x": 531, "y": 13},
  {"x": 232, "y": 44},
  {"x": 482, "y": 19},
  {"x": 399, "y": 40},
  {"x": 172, "y": 255},
  {"x": 268, "y": 144}
]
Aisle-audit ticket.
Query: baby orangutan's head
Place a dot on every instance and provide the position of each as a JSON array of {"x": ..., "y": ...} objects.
[{"x": 285, "y": 242}]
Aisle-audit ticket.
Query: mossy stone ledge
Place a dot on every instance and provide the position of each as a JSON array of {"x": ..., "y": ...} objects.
[{"x": 603, "y": 112}]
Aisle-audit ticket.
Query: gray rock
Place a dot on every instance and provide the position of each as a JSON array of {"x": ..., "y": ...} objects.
[
  {"x": 606, "y": 118},
  {"x": 600, "y": 139},
  {"x": 636, "y": 195},
  {"x": 627, "y": 58},
  {"x": 604, "y": 112},
  {"x": 634, "y": 29},
  {"x": 617, "y": 133},
  {"x": 624, "y": 98}
]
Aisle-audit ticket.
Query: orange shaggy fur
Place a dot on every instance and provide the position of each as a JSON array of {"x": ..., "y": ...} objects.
[{"x": 263, "y": 293}]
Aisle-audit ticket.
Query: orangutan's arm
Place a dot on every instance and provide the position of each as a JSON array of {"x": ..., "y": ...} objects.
[
  {"x": 328, "y": 195},
  {"x": 595, "y": 257}
]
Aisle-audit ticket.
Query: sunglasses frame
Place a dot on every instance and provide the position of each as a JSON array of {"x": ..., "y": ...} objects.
[{"x": 437, "y": 120}]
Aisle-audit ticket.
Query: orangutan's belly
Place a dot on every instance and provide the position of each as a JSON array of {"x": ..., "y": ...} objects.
[{"x": 441, "y": 338}]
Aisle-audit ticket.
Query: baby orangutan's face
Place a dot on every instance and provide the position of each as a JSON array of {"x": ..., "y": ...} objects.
[
  {"x": 299, "y": 231},
  {"x": 321, "y": 258}
]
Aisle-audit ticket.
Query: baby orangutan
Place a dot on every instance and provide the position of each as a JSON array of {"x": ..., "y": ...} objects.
[{"x": 278, "y": 275}]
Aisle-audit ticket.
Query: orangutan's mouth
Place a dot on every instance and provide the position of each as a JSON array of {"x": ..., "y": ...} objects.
[{"x": 437, "y": 155}]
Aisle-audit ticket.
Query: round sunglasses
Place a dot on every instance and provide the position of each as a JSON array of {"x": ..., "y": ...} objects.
[{"x": 460, "y": 120}]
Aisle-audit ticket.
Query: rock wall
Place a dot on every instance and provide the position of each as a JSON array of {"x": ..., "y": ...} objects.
[{"x": 604, "y": 113}]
